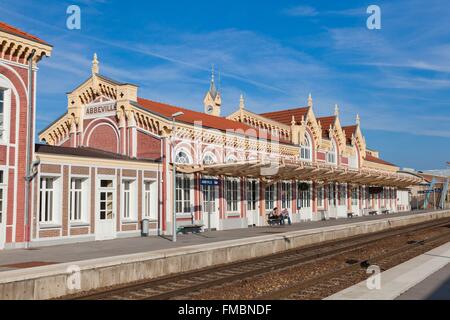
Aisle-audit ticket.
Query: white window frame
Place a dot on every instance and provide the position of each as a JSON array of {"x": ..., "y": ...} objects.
[
  {"x": 355, "y": 196},
  {"x": 182, "y": 156},
  {"x": 320, "y": 197},
  {"x": 150, "y": 200},
  {"x": 209, "y": 156},
  {"x": 331, "y": 195},
  {"x": 306, "y": 148},
  {"x": 332, "y": 154},
  {"x": 252, "y": 195},
  {"x": 183, "y": 202},
  {"x": 342, "y": 194},
  {"x": 232, "y": 194},
  {"x": 4, "y": 129},
  {"x": 83, "y": 194},
  {"x": 56, "y": 203},
  {"x": 304, "y": 196},
  {"x": 270, "y": 196},
  {"x": 286, "y": 195},
  {"x": 129, "y": 201}
]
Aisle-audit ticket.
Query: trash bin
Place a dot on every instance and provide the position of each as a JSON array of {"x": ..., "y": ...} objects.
[{"x": 145, "y": 227}]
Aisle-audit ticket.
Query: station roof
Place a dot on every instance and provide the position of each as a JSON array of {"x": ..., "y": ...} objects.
[
  {"x": 88, "y": 153},
  {"x": 371, "y": 158},
  {"x": 285, "y": 116},
  {"x": 349, "y": 131},
  {"x": 205, "y": 120},
  {"x": 287, "y": 170},
  {"x": 326, "y": 122},
  {"x": 17, "y": 32}
]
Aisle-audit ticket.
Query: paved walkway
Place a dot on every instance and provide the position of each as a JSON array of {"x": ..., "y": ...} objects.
[
  {"x": 23, "y": 258},
  {"x": 435, "y": 287}
]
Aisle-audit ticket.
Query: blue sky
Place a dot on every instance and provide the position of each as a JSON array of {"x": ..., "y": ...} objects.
[{"x": 275, "y": 52}]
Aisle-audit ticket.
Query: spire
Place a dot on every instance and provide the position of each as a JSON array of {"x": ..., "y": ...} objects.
[
  {"x": 310, "y": 101},
  {"x": 95, "y": 63},
  {"x": 336, "y": 110},
  {"x": 241, "y": 102},
  {"x": 212, "y": 87},
  {"x": 358, "y": 119}
]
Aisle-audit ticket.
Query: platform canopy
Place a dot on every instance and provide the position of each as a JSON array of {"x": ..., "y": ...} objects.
[{"x": 289, "y": 170}]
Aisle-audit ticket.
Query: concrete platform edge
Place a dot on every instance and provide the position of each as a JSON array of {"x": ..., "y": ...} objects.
[{"x": 51, "y": 281}]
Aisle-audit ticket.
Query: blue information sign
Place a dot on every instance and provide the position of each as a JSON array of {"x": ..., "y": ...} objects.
[{"x": 209, "y": 182}]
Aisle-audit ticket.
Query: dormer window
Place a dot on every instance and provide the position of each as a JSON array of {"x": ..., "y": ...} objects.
[
  {"x": 331, "y": 154},
  {"x": 305, "y": 149}
]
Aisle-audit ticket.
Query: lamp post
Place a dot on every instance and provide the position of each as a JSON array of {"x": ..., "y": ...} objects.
[{"x": 174, "y": 178}]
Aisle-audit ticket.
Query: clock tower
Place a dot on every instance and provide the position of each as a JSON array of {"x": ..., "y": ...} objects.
[{"x": 212, "y": 101}]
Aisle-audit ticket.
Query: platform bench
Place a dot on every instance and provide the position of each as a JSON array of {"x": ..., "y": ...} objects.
[
  {"x": 349, "y": 214},
  {"x": 193, "y": 228},
  {"x": 385, "y": 211},
  {"x": 373, "y": 212},
  {"x": 273, "y": 221}
]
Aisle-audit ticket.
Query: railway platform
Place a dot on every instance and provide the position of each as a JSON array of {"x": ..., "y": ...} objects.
[
  {"x": 41, "y": 273},
  {"x": 424, "y": 277}
]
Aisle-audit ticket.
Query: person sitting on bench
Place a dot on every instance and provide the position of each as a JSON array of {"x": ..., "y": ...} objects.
[
  {"x": 274, "y": 216},
  {"x": 285, "y": 215}
]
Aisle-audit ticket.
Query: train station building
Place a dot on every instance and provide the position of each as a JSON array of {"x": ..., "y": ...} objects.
[{"x": 114, "y": 159}]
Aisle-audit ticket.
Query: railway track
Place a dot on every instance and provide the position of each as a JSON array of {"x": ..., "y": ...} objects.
[
  {"x": 182, "y": 285},
  {"x": 316, "y": 286}
]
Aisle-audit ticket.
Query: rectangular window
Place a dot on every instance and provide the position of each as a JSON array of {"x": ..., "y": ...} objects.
[
  {"x": 232, "y": 194},
  {"x": 355, "y": 196},
  {"x": 286, "y": 195},
  {"x": 129, "y": 200},
  {"x": 270, "y": 196},
  {"x": 183, "y": 195},
  {"x": 332, "y": 194},
  {"x": 2, "y": 113},
  {"x": 303, "y": 195},
  {"x": 149, "y": 200},
  {"x": 47, "y": 200},
  {"x": 126, "y": 199},
  {"x": 331, "y": 157},
  {"x": 342, "y": 194},
  {"x": 320, "y": 197},
  {"x": 77, "y": 198},
  {"x": 251, "y": 195}
]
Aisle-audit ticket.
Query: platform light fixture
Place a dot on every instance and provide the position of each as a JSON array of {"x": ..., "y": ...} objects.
[{"x": 174, "y": 173}]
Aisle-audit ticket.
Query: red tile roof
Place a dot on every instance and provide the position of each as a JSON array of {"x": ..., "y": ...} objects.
[
  {"x": 285, "y": 116},
  {"x": 89, "y": 153},
  {"x": 325, "y": 122},
  {"x": 370, "y": 158},
  {"x": 13, "y": 30},
  {"x": 349, "y": 131},
  {"x": 203, "y": 119}
]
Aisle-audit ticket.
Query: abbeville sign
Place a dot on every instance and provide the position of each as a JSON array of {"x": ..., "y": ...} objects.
[{"x": 100, "y": 109}]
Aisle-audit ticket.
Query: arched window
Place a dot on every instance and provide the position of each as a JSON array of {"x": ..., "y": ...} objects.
[
  {"x": 306, "y": 148},
  {"x": 231, "y": 159},
  {"x": 354, "y": 159},
  {"x": 182, "y": 158},
  {"x": 208, "y": 158},
  {"x": 331, "y": 155},
  {"x": 5, "y": 103}
]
